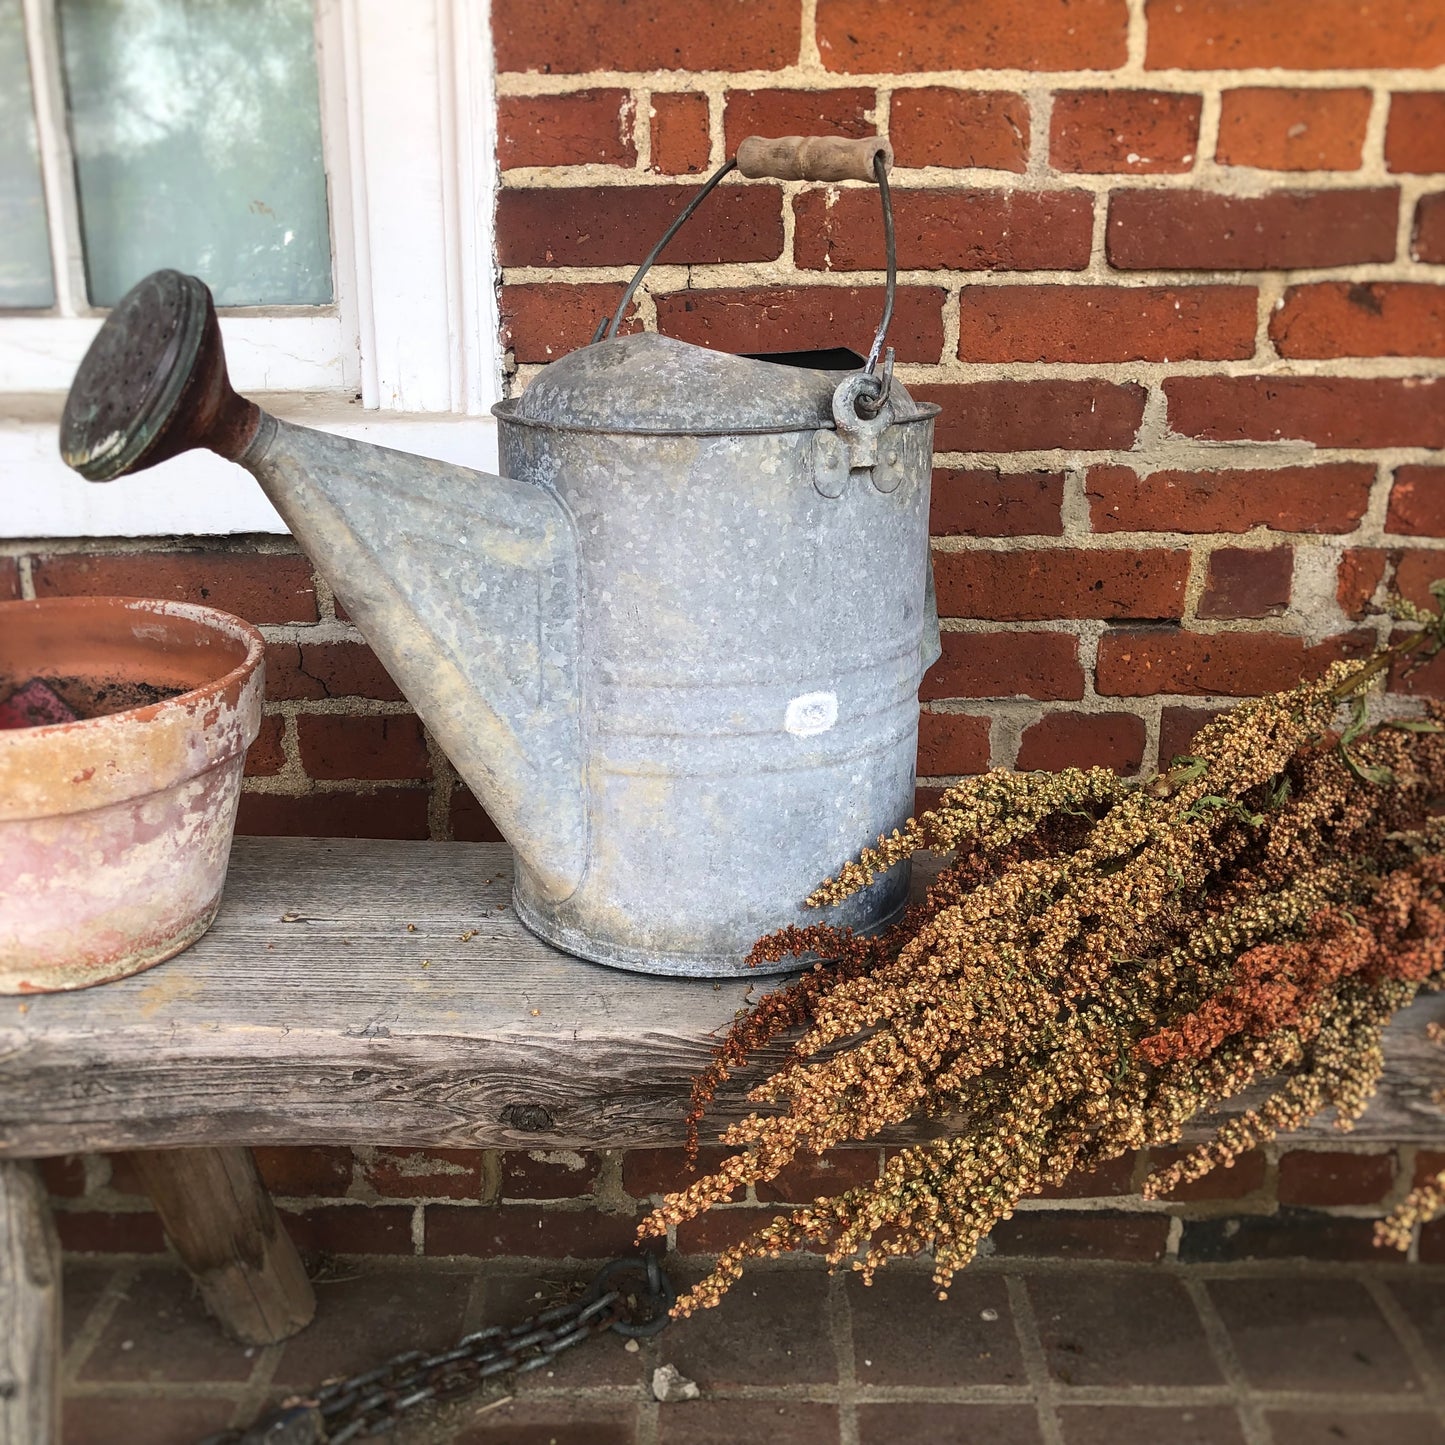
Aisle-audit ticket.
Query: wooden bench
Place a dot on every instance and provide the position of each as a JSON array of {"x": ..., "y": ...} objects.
[{"x": 363, "y": 992}]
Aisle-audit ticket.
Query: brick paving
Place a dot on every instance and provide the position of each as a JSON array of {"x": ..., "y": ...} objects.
[{"x": 1022, "y": 1353}]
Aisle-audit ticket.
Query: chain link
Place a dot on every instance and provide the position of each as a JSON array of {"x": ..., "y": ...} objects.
[{"x": 376, "y": 1400}]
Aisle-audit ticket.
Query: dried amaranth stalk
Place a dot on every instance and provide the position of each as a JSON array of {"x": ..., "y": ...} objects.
[{"x": 1100, "y": 962}]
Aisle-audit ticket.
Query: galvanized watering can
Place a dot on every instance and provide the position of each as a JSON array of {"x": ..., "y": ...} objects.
[{"x": 674, "y": 649}]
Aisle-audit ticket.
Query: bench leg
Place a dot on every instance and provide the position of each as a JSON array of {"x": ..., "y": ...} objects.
[
  {"x": 29, "y": 1310},
  {"x": 222, "y": 1223}
]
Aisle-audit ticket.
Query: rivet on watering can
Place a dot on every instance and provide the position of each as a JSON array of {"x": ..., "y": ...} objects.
[{"x": 830, "y": 464}]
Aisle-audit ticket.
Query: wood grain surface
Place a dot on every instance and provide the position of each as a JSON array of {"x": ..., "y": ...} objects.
[
  {"x": 373, "y": 992},
  {"x": 29, "y": 1311}
]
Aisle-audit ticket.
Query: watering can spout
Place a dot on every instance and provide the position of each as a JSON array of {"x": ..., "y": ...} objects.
[{"x": 463, "y": 582}]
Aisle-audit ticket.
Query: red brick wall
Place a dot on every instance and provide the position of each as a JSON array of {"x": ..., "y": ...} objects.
[
  {"x": 1183, "y": 307},
  {"x": 1274, "y": 1203}
]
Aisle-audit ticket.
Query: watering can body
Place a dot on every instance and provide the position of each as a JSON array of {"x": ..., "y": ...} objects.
[
  {"x": 674, "y": 649},
  {"x": 754, "y": 619}
]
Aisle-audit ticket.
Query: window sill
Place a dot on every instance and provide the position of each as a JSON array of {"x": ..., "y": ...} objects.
[{"x": 197, "y": 494}]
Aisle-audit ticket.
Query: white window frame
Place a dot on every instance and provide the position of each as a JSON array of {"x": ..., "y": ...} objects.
[{"x": 408, "y": 137}]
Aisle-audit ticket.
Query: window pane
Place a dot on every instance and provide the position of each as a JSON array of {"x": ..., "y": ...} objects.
[
  {"x": 197, "y": 133},
  {"x": 24, "y": 236}
]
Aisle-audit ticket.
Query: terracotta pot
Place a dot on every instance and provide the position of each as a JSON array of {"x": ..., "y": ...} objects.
[{"x": 115, "y": 830}]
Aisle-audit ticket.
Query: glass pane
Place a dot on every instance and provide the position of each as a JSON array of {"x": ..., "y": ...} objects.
[
  {"x": 24, "y": 236},
  {"x": 197, "y": 134}
]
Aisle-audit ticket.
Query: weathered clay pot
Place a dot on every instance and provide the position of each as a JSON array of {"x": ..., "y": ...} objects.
[{"x": 115, "y": 830}]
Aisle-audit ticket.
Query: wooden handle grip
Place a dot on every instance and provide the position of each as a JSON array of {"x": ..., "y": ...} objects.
[{"x": 812, "y": 157}]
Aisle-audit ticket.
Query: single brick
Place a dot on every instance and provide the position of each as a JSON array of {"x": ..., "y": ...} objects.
[
  {"x": 1327, "y": 498},
  {"x": 1429, "y": 1164},
  {"x": 1321, "y": 1177},
  {"x": 63, "y": 1175},
  {"x": 351, "y": 1228},
  {"x": 1244, "y": 1177},
  {"x": 1106, "y": 323},
  {"x": 1292, "y": 35},
  {"x": 548, "y": 1173},
  {"x": 9, "y": 579},
  {"x": 796, "y": 112},
  {"x": 935, "y": 125},
  {"x": 1330, "y": 411},
  {"x": 681, "y": 135},
  {"x": 98, "y": 1231},
  {"x": 1205, "y": 231},
  {"x": 1081, "y": 1234},
  {"x": 543, "y": 322},
  {"x": 310, "y": 671},
  {"x": 317, "y": 1171},
  {"x": 259, "y": 586},
  {"x": 926, "y": 800},
  {"x": 1145, "y": 662},
  {"x": 470, "y": 822},
  {"x": 1084, "y": 415},
  {"x": 424, "y": 1173},
  {"x": 1415, "y": 135},
  {"x": 1030, "y": 586},
  {"x": 646, "y": 1172},
  {"x": 811, "y": 1175},
  {"x": 1361, "y": 571},
  {"x": 587, "y": 127},
  {"x": 1417, "y": 502},
  {"x": 266, "y": 756},
  {"x": 1362, "y": 318},
  {"x": 1292, "y": 130},
  {"x": 748, "y": 320},
  {"x": 613, "y": 225},
  {"x": 1426, "y": 680},
  {"x": 1289, "y": 1234},
  {"x": 561, "y": 37},
  {"x": 952, "y": 744},
  {"x": 1432, "y": 1242},
  {"x": 1110, "y": 1180},
  {"x": 1140, "y": 132},
  {"x": 1178, "y": 727},
  {"x": 914, "y": 35},
  {"x": 1415, "y": 569},
  {"x": 1427, "y": 240},
  {"x": 338, "y": 745},
  {"x": 962, "y": 230},
  {"x": 1247, "y": 582},
  {"x": 1083, "y": 740},
  {"x": 528, "y": 1229},
  {"x": 383, "y": 813},
  {"x": 985, "y": 502},
  {"x": 1043, "y": 665}
]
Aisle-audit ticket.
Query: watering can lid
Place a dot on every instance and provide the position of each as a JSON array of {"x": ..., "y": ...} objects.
[{"x": 648, "y": 383}]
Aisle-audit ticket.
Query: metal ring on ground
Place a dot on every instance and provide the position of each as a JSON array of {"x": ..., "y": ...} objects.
[{"x": 659, "y": 1289}]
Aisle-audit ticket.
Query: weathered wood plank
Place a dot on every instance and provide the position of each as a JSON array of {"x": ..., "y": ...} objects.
[
  {"x": 29, "y": 1310},
  {"x": 220, "y": 1219},
  {"x": 311, "y": 1013}
]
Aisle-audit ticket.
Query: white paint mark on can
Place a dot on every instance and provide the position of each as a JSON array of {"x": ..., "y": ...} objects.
[{"x": 811, "y": 714}]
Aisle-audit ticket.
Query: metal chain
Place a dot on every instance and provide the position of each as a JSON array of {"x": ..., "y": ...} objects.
[{"x": 376, "y": 1400}]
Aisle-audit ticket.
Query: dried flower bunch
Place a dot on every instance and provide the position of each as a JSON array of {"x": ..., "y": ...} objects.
[{"x": 1100, "y": 962}]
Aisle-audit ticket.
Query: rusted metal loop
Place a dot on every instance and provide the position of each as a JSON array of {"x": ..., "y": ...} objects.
[
  {"x": 849, "y": 414},
  {"x": 659, "y": 1294}
]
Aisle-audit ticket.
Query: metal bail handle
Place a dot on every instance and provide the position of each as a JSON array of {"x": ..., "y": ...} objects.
[{"x": 802, "y": 158}]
